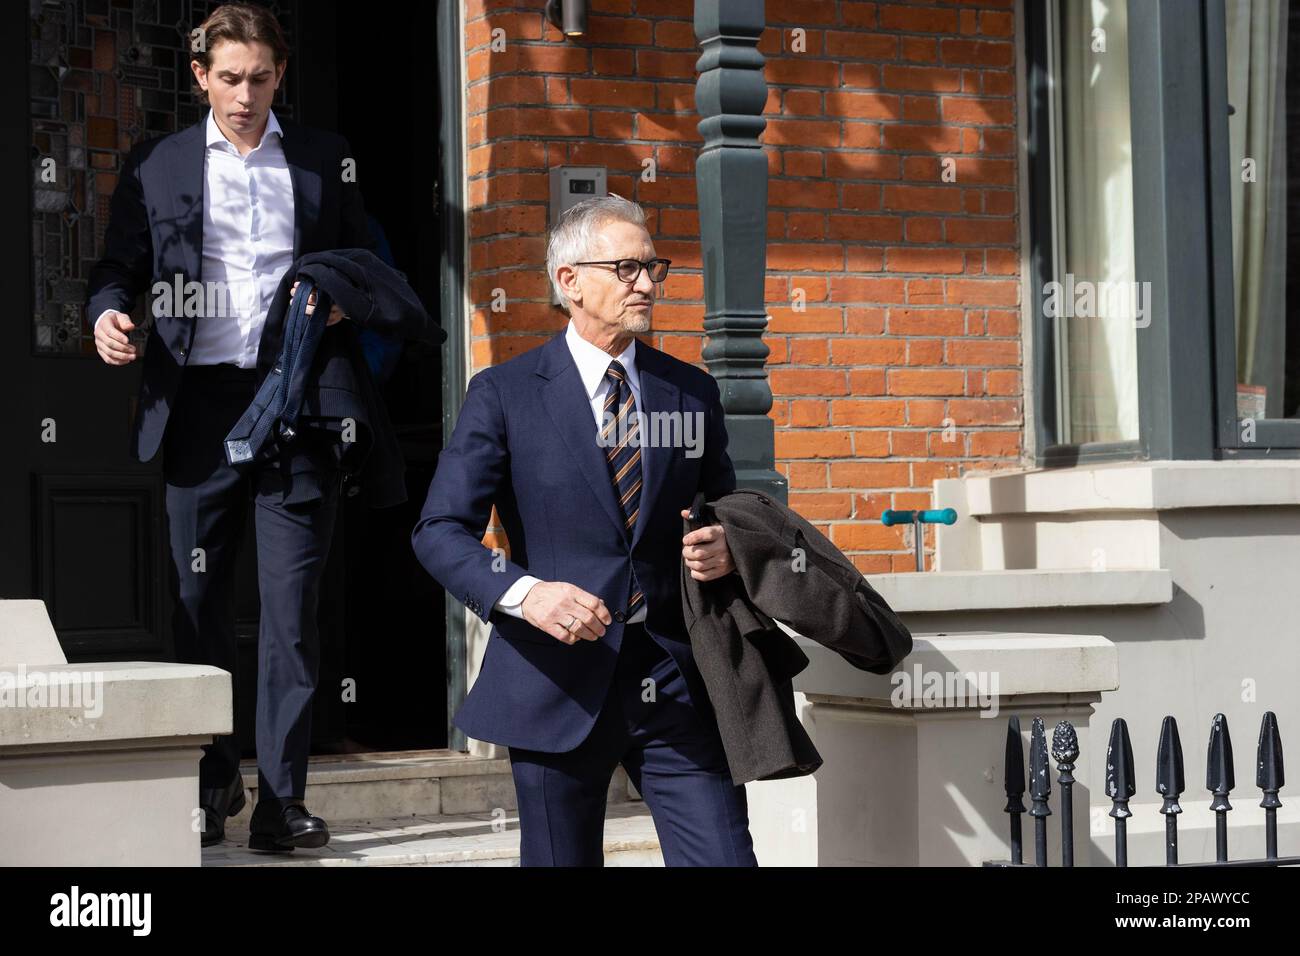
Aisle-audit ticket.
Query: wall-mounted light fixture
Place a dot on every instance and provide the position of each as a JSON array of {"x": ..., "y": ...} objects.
[{"x": 569, "y": 16}]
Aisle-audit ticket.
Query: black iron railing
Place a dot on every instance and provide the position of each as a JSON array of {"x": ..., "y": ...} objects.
[{"x": 1121, "y": 785}]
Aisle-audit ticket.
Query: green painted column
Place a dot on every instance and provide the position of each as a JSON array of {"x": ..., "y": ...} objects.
[{"x": 731, "y": 183}]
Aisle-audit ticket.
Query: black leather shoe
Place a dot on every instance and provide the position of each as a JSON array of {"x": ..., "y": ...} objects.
[
  {"x": 284, "y": 829},
  {"x": 218, "y": 803}
]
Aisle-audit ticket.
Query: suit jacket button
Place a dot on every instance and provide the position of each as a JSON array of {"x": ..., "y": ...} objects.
[{"x": 620, "y": 616}]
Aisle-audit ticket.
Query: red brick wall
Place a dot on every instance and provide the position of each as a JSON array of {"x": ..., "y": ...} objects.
[{"x": 903, "y": 364}]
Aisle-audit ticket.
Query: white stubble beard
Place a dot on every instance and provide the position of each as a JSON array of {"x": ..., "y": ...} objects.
[{"x": 637, "y": 321}]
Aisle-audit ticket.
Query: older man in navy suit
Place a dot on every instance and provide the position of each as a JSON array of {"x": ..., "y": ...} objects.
[
  {"x": 230, "y": 203},
  {"x": 592, "y": 447}
]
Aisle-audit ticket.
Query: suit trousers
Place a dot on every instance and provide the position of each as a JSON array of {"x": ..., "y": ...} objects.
[
  {"x": 207, "y": 511},
  {"x": 672, "y": 755}
]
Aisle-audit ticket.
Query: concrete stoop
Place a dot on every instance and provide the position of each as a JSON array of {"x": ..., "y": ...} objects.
[
  {"x": 406, "y": 783},
  {"x": 454, "y": 839},
  {"x": 425, "y": 808}
]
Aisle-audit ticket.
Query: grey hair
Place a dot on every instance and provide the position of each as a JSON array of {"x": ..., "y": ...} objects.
[{"x": 574, "y": 233}]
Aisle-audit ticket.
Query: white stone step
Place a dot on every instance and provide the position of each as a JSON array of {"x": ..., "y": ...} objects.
[
  {"x": 454, "y": 839},
  {"x": 383, "y": 785},
  {"x": 422, "y": 782}
]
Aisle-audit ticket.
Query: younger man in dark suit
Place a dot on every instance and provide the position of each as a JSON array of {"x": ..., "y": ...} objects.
[{"x": 231, "y": 202}]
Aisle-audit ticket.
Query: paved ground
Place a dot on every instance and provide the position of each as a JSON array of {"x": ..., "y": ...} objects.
[{"x": 468, "y": 839}]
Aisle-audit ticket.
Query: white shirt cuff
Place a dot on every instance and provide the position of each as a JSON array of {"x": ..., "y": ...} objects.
[{"x": 512, "y": 601}]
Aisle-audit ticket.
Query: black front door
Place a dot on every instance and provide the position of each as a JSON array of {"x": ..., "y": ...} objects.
[
  {"x": 372, "y": 79},
  {"x": 82, "y": 525}
]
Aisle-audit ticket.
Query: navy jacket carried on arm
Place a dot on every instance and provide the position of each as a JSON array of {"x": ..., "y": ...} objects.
[
  {"x": 317, "y": 408},
  {"x": 787, "y": 571}
]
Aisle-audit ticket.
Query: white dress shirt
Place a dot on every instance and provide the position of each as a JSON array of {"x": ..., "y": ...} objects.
[
  {"x": 592, "y": 365},
  {"x": 247, "y": 242}
]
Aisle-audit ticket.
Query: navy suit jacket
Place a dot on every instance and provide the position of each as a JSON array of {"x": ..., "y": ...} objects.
[
  {"x": 155, "y": 233},
  {"x": 526, "y": 442}
]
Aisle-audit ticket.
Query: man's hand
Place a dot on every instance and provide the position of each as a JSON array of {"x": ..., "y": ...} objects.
[
  {"x": 111, "y": 341},
  {"x": 565, "y": 612},
  {"x": 705, "y": 552},
  {"x": 336, "y": 314}
]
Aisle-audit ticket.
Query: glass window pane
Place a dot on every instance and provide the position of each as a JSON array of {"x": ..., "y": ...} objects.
[
  {"x": 1262, "y": 91},
  {"x": 1096, "y": 303}
]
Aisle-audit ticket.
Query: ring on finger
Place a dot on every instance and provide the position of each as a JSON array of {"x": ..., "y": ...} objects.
[{"x": 572, "y": 621}]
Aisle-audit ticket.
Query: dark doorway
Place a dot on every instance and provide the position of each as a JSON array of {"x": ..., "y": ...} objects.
[
  {"x": 370, "y": 76},
  {"x": 84, "y": 525}
]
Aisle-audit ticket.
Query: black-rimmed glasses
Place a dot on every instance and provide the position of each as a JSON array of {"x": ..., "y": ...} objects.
[{"x": 628, "y": 270}]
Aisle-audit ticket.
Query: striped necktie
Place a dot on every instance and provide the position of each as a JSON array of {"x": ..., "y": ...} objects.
[{"x": 621, "y": 437}]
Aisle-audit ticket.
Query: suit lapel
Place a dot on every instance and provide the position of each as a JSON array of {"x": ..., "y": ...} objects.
[
  {"x": 566, "y": 402},
  {"x": 185, "y": 168},
  {"x": 658, "y": 394},
  {"x": 305, "y": 171}
]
